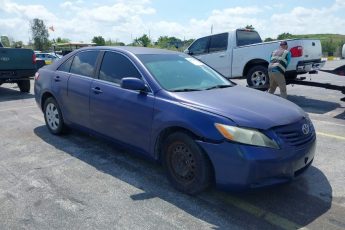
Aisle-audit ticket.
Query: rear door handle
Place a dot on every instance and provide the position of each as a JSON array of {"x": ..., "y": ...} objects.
[
  {"x": 222, "y": 55},
  {"x": 97, "y": 90},
  {"x": 57, "y": 79}
]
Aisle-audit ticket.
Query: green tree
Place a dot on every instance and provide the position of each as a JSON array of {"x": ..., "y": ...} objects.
[
  {"x": 144, "y": 41},
  {"x": 99, "y": 40},
  {"x": 62, "y": 40},
  {"x": 249, "y": 27},
  {"x": 284, "y": 36},
  {"x": 40, "y": 34},
  {"x": 110, "y": 42},
  {"x": 5, "y": 41},
  {"x": 268, "y": 39},
  {"x": 166, "y": 42},
  {"x": 17, "y": 44},
  {"x": 328, "y": 46}
]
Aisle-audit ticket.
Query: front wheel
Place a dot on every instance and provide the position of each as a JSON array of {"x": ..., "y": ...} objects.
[
  {"x": 53, "y": 117},
  {"x": 257, "y": 77},
  {"x": 187, "y": 166}
]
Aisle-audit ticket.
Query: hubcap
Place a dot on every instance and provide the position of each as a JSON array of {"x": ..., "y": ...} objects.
[
  {"x": 52, "y": 116},
  {"x": 259, "y": 78},
  {"x": 183, "y": 162}
]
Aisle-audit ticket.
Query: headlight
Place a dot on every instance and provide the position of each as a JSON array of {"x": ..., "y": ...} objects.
[{"x": 246, "y": 136}]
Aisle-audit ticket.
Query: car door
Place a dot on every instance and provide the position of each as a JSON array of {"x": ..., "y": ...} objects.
[
  {"x": 218, "y": 57},
  {"x": 122, "y": 114},
  {"x": 60, "y": 81},
  {"x": 78, "y": 87}
]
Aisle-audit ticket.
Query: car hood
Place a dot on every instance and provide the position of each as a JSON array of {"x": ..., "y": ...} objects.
[{"x": 246, "y": 107}]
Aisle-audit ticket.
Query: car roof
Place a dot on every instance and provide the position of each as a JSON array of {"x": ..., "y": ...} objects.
[{"x": 132, "y": 49}]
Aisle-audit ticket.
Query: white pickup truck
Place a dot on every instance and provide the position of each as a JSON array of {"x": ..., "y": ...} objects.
[{"x": 241, "y": 53}]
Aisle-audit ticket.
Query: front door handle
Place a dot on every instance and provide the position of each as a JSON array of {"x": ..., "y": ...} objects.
[
  {"x": 97, "y": 90},
  {"x": 57, "y": 79}
]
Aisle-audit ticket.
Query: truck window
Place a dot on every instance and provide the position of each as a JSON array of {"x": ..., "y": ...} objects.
[
  {"x": 200, "y": 46},
  {"x": 218, "y": 42},
  {"x": 247, "y": 37}
]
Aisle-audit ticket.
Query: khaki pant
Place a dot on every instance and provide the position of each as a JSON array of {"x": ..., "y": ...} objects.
[{"x": 277, "y": 79}]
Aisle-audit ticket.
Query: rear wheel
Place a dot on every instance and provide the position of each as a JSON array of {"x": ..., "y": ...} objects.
[
  {"x": 53, "y": 117},
  {"x": 188, "y": 167},
  {"x": 24, "y": 86},
  {"x": 257, "y": 77}
]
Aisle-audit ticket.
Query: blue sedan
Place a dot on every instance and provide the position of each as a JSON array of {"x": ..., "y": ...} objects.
[{"x": 173, "y": 108}]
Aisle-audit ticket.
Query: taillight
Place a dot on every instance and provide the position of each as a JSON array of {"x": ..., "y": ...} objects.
[
  {"x": 296, "y": 51},
  {"x": 34, "y": 59},
  {"x": 37, "y": 75}
]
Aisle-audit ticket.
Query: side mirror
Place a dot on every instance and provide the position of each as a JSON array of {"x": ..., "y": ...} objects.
[
  {"x": 133, "y": 83},
  {"x": 186, "y": 51}
]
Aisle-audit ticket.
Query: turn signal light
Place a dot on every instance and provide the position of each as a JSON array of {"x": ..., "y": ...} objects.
[{"x": 296, "y": 51}]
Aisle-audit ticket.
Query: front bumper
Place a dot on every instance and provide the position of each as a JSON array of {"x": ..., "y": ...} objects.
[{"x": 239, "y": 166}]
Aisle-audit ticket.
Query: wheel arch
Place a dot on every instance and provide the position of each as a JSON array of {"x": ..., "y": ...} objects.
[
  {"x": 44, "y": 97},
  {"x": 254, "y": 62},
  {"x": 163, "y": 134}
]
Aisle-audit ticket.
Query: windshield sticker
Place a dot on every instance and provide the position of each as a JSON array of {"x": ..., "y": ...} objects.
[{"x": 195, "y": 61}]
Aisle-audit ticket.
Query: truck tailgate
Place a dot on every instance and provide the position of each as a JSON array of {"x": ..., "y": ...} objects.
[
  {"x": 16, "y": 59},
  {"x": 311, "y": 49}
]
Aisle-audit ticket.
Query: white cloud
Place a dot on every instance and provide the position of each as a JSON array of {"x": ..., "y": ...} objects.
[{"x": 125, "y": 19}]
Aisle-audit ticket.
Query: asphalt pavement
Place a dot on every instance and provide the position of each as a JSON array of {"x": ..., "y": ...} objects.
[{"x": 77, "y": 181}]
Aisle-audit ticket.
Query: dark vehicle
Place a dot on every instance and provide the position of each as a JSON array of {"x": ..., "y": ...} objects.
[
  {"x": 17, "y": 66},
  {"x": 173, "y": 108}
]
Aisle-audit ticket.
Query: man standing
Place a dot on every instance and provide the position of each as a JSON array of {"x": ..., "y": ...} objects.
[{"x": 280, "y": 59}]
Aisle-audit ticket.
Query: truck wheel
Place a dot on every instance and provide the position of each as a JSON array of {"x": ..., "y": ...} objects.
[
  {"x": 24, "y": 86},
  {"x": 187, "y": 166},
  {"x": 53, "y": 117},
  {"x": 257, "y": 77}
]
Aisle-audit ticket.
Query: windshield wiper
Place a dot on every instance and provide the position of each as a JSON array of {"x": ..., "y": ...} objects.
[
  {"x": 218, "y": 87},
  {"x": 185, "y": 90}
]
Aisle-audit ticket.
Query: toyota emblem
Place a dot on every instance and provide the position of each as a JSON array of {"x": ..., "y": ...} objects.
[{"x": 305, "y": 129}]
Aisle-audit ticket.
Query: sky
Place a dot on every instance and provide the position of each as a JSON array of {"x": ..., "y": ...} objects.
[{"x": 125, "y": 20}]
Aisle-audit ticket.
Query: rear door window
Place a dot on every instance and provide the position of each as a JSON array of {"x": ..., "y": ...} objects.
[
  {"x": 116, "y": 66},
  {"x": 218, "y": 42},
  {"x": 84, "y": 63},
  {"x": 247, "y": 37},
  {"x": 200, "y": 46}
]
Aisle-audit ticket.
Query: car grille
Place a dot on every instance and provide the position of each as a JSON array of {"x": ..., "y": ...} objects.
[{"x": 293, "y": 134}]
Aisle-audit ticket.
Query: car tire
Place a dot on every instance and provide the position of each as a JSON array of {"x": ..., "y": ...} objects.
[
  {"x": 257, "y": 77},
  {"x": 188, "y": 168},
  {"x": 53, "y": 117},
  {"x": 24, "y": 86}
]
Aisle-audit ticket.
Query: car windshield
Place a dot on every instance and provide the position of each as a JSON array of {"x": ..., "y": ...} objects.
[{"x": 179, "y": 72}]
